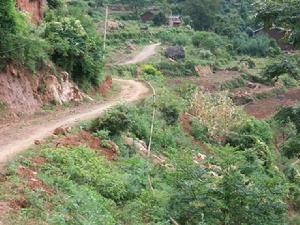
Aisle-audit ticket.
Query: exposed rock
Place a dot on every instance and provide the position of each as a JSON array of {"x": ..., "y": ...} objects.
[
  {"x": 37, "y": 142},
  {"x": 252, "y": 85},
  {"x": 141, "y": 147},
  {"x": 17, "y": 91},
  {"x": 24, "y": 93},
  {"x": 62, "y": 131},
  {"x": 175, "y": 52},
  {"x": 131, "y": 47},
  {"x": 33, "y": 7},
  {"x": 114, "y": 25},
  {"x": 63, "y": 91}
]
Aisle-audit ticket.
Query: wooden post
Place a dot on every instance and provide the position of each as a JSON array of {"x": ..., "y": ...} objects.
[{"x": 105, "y": 29}]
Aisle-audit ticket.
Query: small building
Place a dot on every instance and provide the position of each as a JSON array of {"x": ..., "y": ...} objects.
[
  {"x": 34, "y": 7},
  {"x": 148, "y": 16},
  {"x": 175, "y": 21}
]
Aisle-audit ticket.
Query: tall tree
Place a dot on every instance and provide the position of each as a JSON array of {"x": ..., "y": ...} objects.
[
  {"x": 285, "y": 14},
  {"x": 202, "y": 12}
]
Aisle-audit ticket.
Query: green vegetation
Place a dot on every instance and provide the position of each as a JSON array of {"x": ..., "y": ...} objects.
[
  {"x": 209, "y": 163},
  {"x": 67, "y": 37}
]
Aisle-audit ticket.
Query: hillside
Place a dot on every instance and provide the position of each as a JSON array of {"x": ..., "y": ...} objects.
[{"x": 200, "y": 124}]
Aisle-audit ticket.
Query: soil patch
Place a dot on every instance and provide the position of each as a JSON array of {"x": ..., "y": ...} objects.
[
  {"x": 86, "y": 139},
  {"x": 265, "y": 108},
  {"x": 32, "y": 181},
  {"x": 211, "y": 82}
]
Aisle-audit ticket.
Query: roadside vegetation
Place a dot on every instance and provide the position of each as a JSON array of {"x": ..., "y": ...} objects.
[{"x": 225, "y": 146}]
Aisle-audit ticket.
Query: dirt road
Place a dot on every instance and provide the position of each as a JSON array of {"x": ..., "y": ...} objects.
[
  {"x": 146, "y": 53},
  {"x": 18, "y": 137}
]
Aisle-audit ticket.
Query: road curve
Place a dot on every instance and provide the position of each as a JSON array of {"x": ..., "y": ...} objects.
[
  {"x": 145, "y": 53},
  {"x": 19, "y": 137}
]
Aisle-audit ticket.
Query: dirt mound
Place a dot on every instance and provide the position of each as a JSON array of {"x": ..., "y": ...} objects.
[
  {"x": 82, "y": 138},
  {"x": 32, "y": 181},
  {"x": 23, "y": 92},
  {"x": 86, "y": 139}
]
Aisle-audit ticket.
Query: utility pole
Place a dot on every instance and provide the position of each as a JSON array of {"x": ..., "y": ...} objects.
[{"x": 105, "y": 28}]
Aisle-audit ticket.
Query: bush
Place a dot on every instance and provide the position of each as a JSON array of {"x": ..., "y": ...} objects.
[
  {"x": 55, "y": 4},
  {"x": 160, "y": 19},
  {"x": 216, "y": 112},
  {"x": 150, "y": 72},
  {"x": 288, "y": 81},
  {"x": 84, "y": 167},
  {"x": 272, "y": 71},
  {"x": 291, "y": 148},
  {"x": 169, "y": 108},
  {"x": 259, "y": 45},
  {"x": 76, "y": 49},
  {"x": 289, "y": 114},
  {"x": 199, "y": 131},
  {"x": 115, "y": 121},
  {"x": 232, "y": 84},
  {"x": 208, "y": 40},
  {"x": 249, "y": 132},
  {"x": 19, "y": 42},
  {"x": 186, "y": 68}
]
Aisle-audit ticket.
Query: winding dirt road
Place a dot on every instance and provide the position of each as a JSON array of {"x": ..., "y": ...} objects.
[
  {"x": 15, "y": 138},
  {"x": 146, "y": 53},
  {"x": 20, "y": 136}
]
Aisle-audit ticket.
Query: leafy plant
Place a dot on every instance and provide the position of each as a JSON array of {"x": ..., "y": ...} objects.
[
  {"x": 115, "y": 121},
  {"x": 216, "y": 112}
]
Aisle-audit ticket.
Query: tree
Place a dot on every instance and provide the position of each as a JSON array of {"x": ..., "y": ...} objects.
[
  {"x": 284, "y": 14},
  {"x": 76, "y": 48},
  {"x": 202, "y": 12}
]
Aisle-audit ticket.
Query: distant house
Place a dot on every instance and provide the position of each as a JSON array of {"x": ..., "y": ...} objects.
[
  {"x": 148, "y": 16},
  {"x": 175, "y": 21},
  {"x": 34, "y": 7}
]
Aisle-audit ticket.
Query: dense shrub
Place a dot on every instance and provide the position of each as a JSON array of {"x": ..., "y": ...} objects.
[
  {"x": 55, "y": 4},
  {"x": 199, "y": 131},
  {"x": 83, "y": 167},
  {"x": 175, "y": 36},
  {"x": 160, "y": 19},
  {"x": 19, "y": 42},
  {"x": 289, "y": 114},
  {"x": 291, "y": 148},
  {"x": 288, "y": 81},
  {"x": 255, "y": 46},
  {"x": 186, "y": 68},
  {"x": 208, "y": 40},
  {"x": 115, "y": 121},
  {"x": 150, "y": 72},
  {"x": 76, "y": 49},
  {"x": 169, "y": 108},
  {"x": 249, "y": 132},
  {"x": 274, "y": 70},
  {"x": 234, "y": 83}
]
